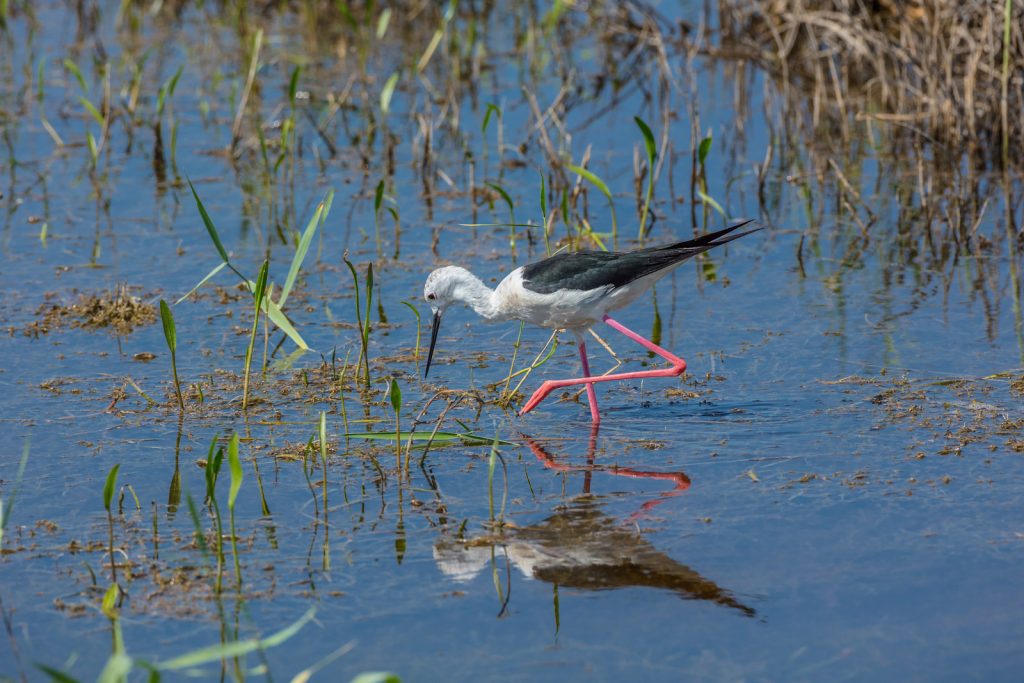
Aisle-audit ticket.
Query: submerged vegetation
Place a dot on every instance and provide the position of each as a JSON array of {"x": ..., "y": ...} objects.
[{"x": 196, "y": 149}]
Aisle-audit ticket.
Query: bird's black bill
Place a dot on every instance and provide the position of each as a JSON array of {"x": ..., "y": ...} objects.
[{"x": 433, "y": 340}]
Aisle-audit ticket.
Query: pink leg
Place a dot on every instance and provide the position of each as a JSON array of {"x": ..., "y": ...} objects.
[
  {"x": 595, "y": 416},
  {"x": 678, "y": 368}
]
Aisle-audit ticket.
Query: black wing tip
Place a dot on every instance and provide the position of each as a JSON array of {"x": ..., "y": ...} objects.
[{"x": 714, "y": 239}]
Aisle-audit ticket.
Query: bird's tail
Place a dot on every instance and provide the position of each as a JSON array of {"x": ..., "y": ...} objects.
[{"x": 710, "y": 240}]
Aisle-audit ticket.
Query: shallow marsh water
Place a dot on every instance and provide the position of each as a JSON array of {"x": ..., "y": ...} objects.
[{"x": 834, "y": 491}]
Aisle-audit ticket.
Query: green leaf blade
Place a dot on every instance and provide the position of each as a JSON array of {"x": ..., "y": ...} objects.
[
  {"x": 168, "y": 323},
  {"x": 645, "y": 130},
  {"x": 208, "y": 222},
  {"x": 235, "y": 467},
  {"x": 109, "y": 486}
]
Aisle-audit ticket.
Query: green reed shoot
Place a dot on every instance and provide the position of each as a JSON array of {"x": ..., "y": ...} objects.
[
  {"x": 163, "y": 96},
  {"x": 322, "y": 434},
  {"x": 552, "y": 346},
  {"x": 652, "y": 154},
  {"x": 119, "y": 664},
  {"x": 261, "y": 290},
  {"x": 108, "y": 497},
  {"x": 702, "y": 179},
  {"x": 362, "y": 321},
  {"x": 600, "y": 185},
  {"x": 382, "y": 23},
  {"x": 493, "y": 109},
  {"x": 231, "y": 649},
  {"x": 446, "y": 18},
  {"x": 272, "y": 309},
  {"x": 378, "y": 199},
  {"x": 511, "y": 214},
  {"x": 40, "y": 97},
  {"x": 492, "y": 460},
  {"x": 505, "y": 396},
  {"x": 235, "y": 467},
  {"x": 211, "y": 473},
  {"x": 387, "y": 93},
  {"x": 395, "y": 397},
  {"x": 317, "y": 221},
  {"x": 172, "y": 344},
  {"x": 71, "y": 66},
  {"x": 323, "y": 464},
  {"x": 7, "y": 505}
]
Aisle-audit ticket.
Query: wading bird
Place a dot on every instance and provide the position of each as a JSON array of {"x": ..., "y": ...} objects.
[{"x": 572, "y": 291}]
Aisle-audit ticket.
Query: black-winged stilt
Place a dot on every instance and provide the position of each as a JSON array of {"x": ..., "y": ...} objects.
[{"x": 572, "y": 291}]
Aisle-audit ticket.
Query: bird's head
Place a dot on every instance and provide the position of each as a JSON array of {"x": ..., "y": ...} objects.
[{"x": 440, "y": 290}]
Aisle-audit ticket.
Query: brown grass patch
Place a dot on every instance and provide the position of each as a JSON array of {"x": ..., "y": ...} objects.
[
  {"x": 118, "y": 311},
  {"x": 928, "y": 66}
]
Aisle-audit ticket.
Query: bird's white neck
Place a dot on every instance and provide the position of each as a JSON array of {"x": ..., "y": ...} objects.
[{"x": 470, "y": 290}]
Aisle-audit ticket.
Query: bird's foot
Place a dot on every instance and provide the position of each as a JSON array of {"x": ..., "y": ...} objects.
[{"x": 542, "y": 392}]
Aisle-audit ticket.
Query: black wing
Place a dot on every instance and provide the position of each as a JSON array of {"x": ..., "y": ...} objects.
[{"x": 586, "y": 270}]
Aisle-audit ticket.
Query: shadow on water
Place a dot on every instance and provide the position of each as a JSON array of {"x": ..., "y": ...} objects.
[{"x": 582, "y": 546}]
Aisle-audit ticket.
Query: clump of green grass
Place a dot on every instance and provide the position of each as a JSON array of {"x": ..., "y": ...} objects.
[{"x": 272, "y": 309}]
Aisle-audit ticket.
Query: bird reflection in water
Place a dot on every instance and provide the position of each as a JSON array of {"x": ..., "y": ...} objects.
[{"x": 580, "y": 546}]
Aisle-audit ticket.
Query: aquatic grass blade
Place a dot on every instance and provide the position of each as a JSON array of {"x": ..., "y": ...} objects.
[
  {"x": 235, "y": 467},
  {"x": 703, "y": 149},
  {"x": 77, "y": 73},
  {"x": 278, "y": 317},
  {"x": 387, "y": 93},
  {"x": 259, "y": 292},
  {"x": 217, "y": 269},
  {"x": 591, "y": 178},
  {"x": 6, "y": 506},
  {"x": 172, "y": 344},
  {"x": 491, "y": 109},
  {"x": 208, "y": 222},
  {"x": 649, "y": 144},
  {"x": 293, "y": 83},
  {"x": 429, "y": 52},
  {"x": 511, "y": 213},
  {"x": 376, "y": 677},
  {"x": 93, "y": 111},
  {"x": 236, "y": 648},
  {"x": 302, "y": 249},
  {"x": 382, "y": 23},
  {"x": 711, "y": 202},
  {"x": 652, "y": 154},
  {"x": 395, "y": 395},
  {"x": 602, "y": 187},
  {"x": 109, "y": 486},
  {"x": 56, "y": 674}
]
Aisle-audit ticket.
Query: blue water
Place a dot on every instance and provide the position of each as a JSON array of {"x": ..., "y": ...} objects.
[{"x": 809, "y": 520}]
